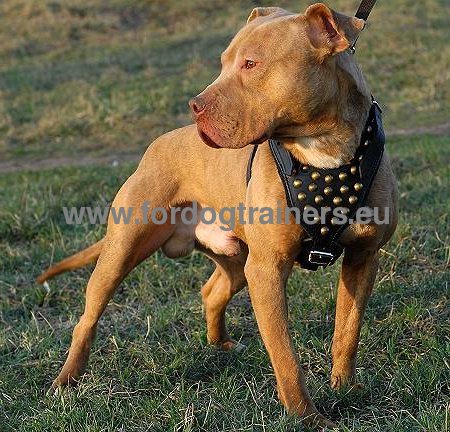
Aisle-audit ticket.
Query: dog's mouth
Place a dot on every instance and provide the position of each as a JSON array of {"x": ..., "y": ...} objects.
[
  {"x": 211, "y": 143},
  {"x": 208, "y": 140},
  {"x": 260, "y": 140}
]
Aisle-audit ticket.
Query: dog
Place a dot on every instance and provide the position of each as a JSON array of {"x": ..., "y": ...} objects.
[{"x": 285, "y": 76}]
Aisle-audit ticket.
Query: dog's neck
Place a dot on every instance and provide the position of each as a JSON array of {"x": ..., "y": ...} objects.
[
  {"x": 332, "y": 139},
  {"x": 323, "y": 151}
]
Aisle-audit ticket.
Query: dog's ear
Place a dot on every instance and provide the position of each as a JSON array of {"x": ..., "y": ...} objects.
[
  {"x": 329, "y": 31},
  {"x": 263, "y": 11}
]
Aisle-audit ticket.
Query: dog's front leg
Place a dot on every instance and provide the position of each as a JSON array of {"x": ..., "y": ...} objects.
[
  {"x": 359, "y": 269},
  {"x": 267, "y": 277}
]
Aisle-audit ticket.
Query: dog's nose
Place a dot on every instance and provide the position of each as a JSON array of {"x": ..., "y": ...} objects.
[{"x": 197, "y": 105}]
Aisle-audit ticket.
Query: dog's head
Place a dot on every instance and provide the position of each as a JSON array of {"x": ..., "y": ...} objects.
[{"x": 278, "y": 73}]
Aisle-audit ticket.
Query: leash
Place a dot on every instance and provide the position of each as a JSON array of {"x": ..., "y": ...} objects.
[
  {"x": 364, "y": 9},
  {"x": 363, "y": 13}
]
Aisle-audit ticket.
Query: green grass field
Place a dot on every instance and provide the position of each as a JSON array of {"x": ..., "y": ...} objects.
[{"x": 92, "y": 78}]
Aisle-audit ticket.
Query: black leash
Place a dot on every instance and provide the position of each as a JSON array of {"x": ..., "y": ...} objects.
[
  {"x": 363, "y": 13},
  {"x": 364, "y": 9}
]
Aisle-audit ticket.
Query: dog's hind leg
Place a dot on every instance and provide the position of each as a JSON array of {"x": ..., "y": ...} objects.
[
  {"x": 124, "y": 247},
  {"x": 228, "y": 279},
  {"x": 359, "y": 269}
]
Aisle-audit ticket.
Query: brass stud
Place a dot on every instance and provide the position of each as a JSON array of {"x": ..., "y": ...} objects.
[
  {"x": 344, "y": 189},
  {"x": 344, "y": 210},
  {"x": 328, "y": 190},
  {"x": 324, "y": 230},
  {"x": 318, "y": 199},
  {"x": 312, "y": 187},
  {"x": 366, "y": 143},
  {"x": 297, "y": 183},
  {"x": 301, "y": 196},
  {"x": 315, "y": 175},
  {"x": 337, "y": 200},
  {"x": 305, "y": 168},
  {"x": 353, "y": 170},
  {"x": 334, "y": 221},
  {"x": 316, "y": 219},
  {"x": 360, "y": 158},
  {"x": 342, "y": 176},
  {"x": 352, "y": 199},
  {"x": 358, "y": 187},
  {"x": 369, "y": 129},
  {"x": 328, "y": 178}
]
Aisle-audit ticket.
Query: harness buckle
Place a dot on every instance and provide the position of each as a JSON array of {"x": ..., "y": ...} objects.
[{"x": 321, "y": 258}]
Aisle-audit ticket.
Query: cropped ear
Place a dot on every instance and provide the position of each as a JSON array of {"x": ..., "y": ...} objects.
[
  {"x": 265, "y": 11},
  {"x": 329, "y": 31},
  {"x": 351, "y": 27}
]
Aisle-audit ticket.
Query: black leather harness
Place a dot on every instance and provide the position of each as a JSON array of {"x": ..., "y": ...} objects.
[{"x": 342, "y": 190}]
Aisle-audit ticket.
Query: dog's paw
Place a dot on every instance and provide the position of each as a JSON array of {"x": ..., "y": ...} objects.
[
  {"x": 317, "y": 421},
  {"x": 345, "y": 383},
  {"x": 53, "y": 392},
  {"x": 230, "y": 345},
  {"x": 56, "y": 390}
]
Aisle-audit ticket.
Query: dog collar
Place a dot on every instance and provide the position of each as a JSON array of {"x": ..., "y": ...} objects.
[{"x": 343, "y": 190}]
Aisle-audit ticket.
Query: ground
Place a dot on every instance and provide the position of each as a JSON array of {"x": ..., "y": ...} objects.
[{"x": 94, "y": 82}]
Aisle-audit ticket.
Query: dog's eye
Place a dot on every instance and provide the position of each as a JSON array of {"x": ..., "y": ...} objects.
[{"x": 249, "y": 64}]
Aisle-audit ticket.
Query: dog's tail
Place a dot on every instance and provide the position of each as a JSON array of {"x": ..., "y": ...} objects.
[{"x": 80, "y": 259}]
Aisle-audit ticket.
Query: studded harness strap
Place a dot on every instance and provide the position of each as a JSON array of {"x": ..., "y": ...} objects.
[{"x": 336, "y": 194}]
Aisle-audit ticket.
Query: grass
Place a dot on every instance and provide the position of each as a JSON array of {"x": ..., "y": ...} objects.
[
  {"x": 97, "y": 77},
  {"x": 151, "y": 368}
]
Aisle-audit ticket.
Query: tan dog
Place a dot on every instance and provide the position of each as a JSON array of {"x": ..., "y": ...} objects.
[{"x": 286, "y": 76}]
